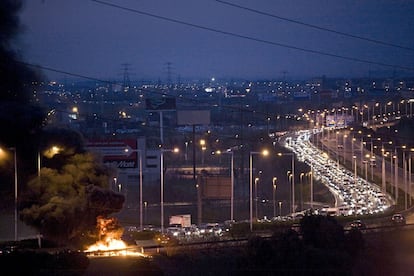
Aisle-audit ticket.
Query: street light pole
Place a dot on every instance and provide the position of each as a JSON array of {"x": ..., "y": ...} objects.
[
  {"x": 405, "y": 179},
  {"x": 274, "y": 198},
  {"x": 162, "y": 184},
  {"x": 15, "y": 188},
  {"x": 310, "y": 174},
  {"x": 162, "y": 189},
  {"x": 15, "y": 193},
  {"x": 139, "y": 153},
  {"x": 229, "y": 151},
  {"x": 355, "y": 167},
  {"x": 293, "y": 176},
  {"x": 265, "y": 153},
  {"x": 301, "y": 190},
  {"x": 256, "y": 180},
  {"x": 250, "y": 191},
  {"x": 409, "y": 177}
]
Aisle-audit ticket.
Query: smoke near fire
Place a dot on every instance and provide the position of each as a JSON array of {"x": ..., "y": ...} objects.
[{"x": 63, "y": 203}]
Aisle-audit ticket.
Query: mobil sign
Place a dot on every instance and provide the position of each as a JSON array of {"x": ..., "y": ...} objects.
[{"x": 115, "y": 153}]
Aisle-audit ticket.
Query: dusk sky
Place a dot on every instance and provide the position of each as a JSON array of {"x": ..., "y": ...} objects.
[{"x": 208, "y": 38}]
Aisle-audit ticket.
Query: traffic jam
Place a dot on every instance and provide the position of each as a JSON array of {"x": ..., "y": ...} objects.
[{"x": 353, "y": 194}]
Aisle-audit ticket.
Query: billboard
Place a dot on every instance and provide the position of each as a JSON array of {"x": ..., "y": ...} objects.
[
  {"x": 160, "y": 104},
  {"x": 215, "y": 187},
  {"x": 193, "y": 117},
  {"x": 115, "y": 153}
]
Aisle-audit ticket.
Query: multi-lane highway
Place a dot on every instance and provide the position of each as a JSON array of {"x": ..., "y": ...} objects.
[{"x": 353, "y": 194}]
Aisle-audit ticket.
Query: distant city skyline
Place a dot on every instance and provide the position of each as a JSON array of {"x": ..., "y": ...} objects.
[{"x": 168, "y": 41}]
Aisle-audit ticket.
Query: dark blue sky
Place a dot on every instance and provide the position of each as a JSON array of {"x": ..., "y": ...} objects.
[{"x": 93, "y": 39}]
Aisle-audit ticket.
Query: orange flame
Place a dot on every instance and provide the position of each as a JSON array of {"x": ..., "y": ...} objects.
[{"x": 109, "y": 236}]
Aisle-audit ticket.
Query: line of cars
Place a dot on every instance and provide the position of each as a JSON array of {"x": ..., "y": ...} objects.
[
  {"x": 194, "y": 231},
  {"x": 354, "y": 195},
  {"x": 397, "y": 219}
]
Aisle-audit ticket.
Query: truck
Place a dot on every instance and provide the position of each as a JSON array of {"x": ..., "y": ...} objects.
[{"x": 180, "y": 220}]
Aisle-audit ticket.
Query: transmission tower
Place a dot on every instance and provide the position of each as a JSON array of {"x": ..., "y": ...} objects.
[
  {"x": 127, "y": 82},
  {"x": 169, "y": 72}
]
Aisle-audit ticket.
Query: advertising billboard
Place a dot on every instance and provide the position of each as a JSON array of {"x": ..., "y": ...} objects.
[
  {"x": 115, "y": 153},
  {"x": 193, "y": 117},
  {"x": 160, "y": 104},
  {"x": 215, "y": 187}
]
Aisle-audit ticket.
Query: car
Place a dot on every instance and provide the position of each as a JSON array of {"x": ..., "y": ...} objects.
[
  {"x": 398, "y": 219},
  {"x": 357, "y": 224}
]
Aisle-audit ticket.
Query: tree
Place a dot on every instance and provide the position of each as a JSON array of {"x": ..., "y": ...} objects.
[{"x": 322, "y": 231}]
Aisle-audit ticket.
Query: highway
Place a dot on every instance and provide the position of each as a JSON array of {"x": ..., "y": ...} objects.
[{"x": 354, "y": 195}]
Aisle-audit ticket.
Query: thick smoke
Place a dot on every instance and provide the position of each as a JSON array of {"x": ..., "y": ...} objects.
[
  {"x": 72, "y": 189},
  {"x": 19, "y": 115},
  {"x": 21, "y": 119},
  {"x": 63, "y": 204}
]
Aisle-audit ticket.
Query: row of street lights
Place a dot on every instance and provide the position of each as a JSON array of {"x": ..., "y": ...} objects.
[
  {"x": 387, "y": 149},
  {"x": 50, "y": 152},
  {"x": 175, "y": 150}
]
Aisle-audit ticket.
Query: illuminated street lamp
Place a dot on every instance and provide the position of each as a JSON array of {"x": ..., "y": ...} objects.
[
  {"x": 175, "y": 150},
  {"x": 15, "y": 188},
  {"x": 115, "y": 185},
  {"x": 229, "y": 151},
  {"x": 264, "y": 153},
  {"x": 49, "y": 153},
  {"x": 301, "y": 190},
  {"x": 354, "y": 160},
  {"x": 337, "y": 148},
  {"x": 384, "y": 184},
  {"x": 396, "y": 178},
  {"x": 203, "y": 149},
  {"x": 256, "y": 180},
  {"x": 293, "y": 176},
  {"x": 310, "y": 174},
  {"x": 139, "y": 153},
  {"x": 367, "y": 157},
  {"x": 274, "y": 191},
  {"x": 408, "y": 175}
]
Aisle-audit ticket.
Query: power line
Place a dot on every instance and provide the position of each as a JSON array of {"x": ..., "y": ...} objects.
[
  {"x": 238, "y": 109},
  {"x": 249, "y": 37},
  {"x": 315, "y": 26}
]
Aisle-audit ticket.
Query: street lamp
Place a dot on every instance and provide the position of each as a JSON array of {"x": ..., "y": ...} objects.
[
  {"x": 366, "y": 166},
  {"x": 175, "y": 150},
  {"x": 264, "y": 153},
  {"x": 229, "y": 151},
  {"x": 384, "y": 184},
  {"x": 49, "y": 153},
  {"x": 408, "y": 176},
  {"x": 186, "y": 151},
  {"x": 372, "y": 156},
  {"x": 354, "y": 160},
  {"x": 139, "y": 153},
  {"x": 256, "y": 180},
  {"x": 396, "y": 178},
  {"x": 274, "y": 191},
  {"x": 301, "y": 190},
  {"x": 310, "y": 174},
  {"x": 337, "y": 148},
  {"x": 203, "y": 149},
  {"x": 15, "y": 189},
  {"x": 293, "y": 176}
]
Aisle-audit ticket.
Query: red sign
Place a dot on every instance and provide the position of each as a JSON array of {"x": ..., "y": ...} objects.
[{"x": 116, "y": 153}]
